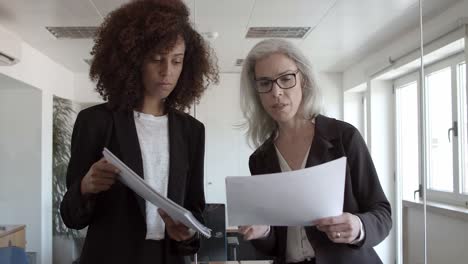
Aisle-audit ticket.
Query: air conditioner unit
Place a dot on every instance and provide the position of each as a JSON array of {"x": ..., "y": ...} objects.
[{"x": 10, "y": 48}]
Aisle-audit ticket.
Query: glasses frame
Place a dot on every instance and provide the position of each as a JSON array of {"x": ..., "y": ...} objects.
[{"x": 294, "y": 74}]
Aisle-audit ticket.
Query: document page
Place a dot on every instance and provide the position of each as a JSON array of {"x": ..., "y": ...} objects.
[
  {"x": 128, "y": 177},
  {"x": 294, "y": 198}
]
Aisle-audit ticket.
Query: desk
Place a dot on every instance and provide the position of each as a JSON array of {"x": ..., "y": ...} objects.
[{"x": 13, "y": 235}]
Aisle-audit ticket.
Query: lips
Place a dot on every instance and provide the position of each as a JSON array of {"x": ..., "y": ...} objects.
[{"x": 279, "y": 106}]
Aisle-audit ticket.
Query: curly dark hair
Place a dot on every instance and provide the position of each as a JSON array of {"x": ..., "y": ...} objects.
[{"x": 135, "y": 30}]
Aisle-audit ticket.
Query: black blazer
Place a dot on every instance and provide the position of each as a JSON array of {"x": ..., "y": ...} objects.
[
  {"x": 116, "y": 218},
  {"x": 363, "y": 194}
]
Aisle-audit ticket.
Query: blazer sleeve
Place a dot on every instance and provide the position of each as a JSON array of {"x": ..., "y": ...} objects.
[
  {"x": 195, "y": 193},
  {"x": 267, "y": 245},
  {"x": 86, "y": 145},
  {"x": 374, "y": 208}
]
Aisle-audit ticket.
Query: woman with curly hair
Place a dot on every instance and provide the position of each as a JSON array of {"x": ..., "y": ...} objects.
[{"x": 149, "y": 65}]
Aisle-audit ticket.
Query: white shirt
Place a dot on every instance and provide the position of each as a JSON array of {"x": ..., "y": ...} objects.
[
  {"x": 153, "y": 136},
  {"x": 298, "y": 247}
]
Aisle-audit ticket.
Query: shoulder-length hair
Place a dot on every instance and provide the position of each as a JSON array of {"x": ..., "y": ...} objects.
[
  {"x": 134, "y": 31},
  {"x": 259, "y": 124}
]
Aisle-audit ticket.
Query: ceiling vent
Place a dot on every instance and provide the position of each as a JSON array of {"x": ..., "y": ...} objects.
[
  {"x": 239, "y": 62},
  {"x": 73, "y": 32},
  {"x": 277, "y": 32}
]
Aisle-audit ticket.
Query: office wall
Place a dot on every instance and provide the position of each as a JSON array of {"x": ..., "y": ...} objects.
[
  {"x": 433, "y": 28},
  {"x": 353, "y": 109},
  {"x": 331, "y": 85},
  {"x": 21, "y": 160},
  {"x": 84, "y": 91},
  {"x": 447, "y": 237},
  {"x": 38, "y": 70},
  {"x": 382, "y": 150},
  {"x": 226, "y": 152}
]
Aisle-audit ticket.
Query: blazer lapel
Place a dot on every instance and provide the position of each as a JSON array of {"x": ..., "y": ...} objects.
[
  {"x": 319, "y": 150},
  {"x": 127, "y": 138},
  {"x": 271, "y": 164},
  {"x": 178, "y": 158}
]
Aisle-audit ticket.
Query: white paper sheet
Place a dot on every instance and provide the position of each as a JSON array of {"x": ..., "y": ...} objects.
[
  {"x": 128, "y": 177},
  {"x": 294, "y": 198}
]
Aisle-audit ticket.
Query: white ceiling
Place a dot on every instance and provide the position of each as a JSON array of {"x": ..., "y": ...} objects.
[{"x": 343, "y": 31}]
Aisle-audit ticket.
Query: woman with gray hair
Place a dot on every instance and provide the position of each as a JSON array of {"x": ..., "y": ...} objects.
[{"x": 281, "y": 102}]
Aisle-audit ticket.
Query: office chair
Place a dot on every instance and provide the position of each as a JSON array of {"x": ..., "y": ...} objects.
[{"x": 214, "y": 248}]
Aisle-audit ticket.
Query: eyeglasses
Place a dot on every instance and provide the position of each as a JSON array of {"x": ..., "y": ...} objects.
[{"x": 285, "y": 81}]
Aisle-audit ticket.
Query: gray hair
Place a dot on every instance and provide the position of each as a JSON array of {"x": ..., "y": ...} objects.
[{"x": 259, "y": 124}]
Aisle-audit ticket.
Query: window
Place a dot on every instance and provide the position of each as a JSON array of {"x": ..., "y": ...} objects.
[
  {"x": 439, "y": 130},
  {"x": 463, "y": 126},
  {"x": 441, "y": 119},
  {"x": 407, "y": 138}
]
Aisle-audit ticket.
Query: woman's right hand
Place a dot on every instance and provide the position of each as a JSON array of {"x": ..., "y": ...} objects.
[
  {"x": 254, "y": 231},
  {"x": 100, "y": 177}
]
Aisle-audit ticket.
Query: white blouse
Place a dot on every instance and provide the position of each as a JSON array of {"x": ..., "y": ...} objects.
[
  {"x": 153, "y": 136},
  {"x": 298, "y": 247}
]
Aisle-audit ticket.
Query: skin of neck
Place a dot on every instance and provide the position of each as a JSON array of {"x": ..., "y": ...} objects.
[
  {"x": 295, "y": 128},
  {"x": 153, "y": 106}
]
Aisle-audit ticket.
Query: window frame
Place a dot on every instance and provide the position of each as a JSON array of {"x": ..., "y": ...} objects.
[{"x": 456, "y": 197}]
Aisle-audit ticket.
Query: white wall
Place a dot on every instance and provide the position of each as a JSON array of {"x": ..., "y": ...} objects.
[
  {"x": 331, "y": 85},
  {"x": 40, "y": 71},
  {"x": 21, "y": 161},
  {"x": 382, "y": 150},
  {"x": 226, "y": 151},
  {"x": 85, "y": 89},
  {"x": 447, "y": 237},
  {"x": 433, "y": 28},
  {"x": 354, "y": 109}
]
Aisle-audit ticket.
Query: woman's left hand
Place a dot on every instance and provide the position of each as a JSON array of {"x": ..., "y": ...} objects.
[
  {"x": 177, "y": 231},
  {"x": 344, "y": 228}
]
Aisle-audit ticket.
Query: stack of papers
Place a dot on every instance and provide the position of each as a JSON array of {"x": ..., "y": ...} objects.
[
  {"x": 294, "y": 198},
  {"x": 140, "y": 187}
]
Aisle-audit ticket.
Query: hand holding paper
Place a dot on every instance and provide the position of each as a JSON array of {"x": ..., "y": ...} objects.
[
  {"x": 176, "y": 230},
  {"x": 344, "y": 228}
]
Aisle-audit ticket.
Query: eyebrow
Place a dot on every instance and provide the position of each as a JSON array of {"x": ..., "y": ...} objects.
[
  {"x": 166, "y": 54},
  {"x": 278, "y": 75}
]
